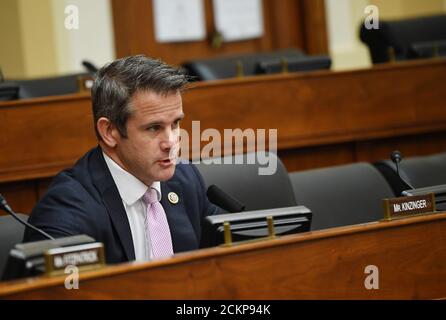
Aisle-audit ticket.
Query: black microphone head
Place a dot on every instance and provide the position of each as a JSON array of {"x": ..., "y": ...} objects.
[
  {"x": 4, "y": 204},
  {"x": 224, "y": 200},
  {"x": 89, "y": 66},
  {"x": 396, "y": 156}
]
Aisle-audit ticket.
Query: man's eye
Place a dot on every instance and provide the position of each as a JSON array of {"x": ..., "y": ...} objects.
[
  {"x": 153, "y": 128},
  {"x": 176, "y": 124}
]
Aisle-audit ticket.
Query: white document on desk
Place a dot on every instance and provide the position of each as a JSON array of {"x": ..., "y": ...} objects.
[
  {"x": 239, "y": 19},
  {"x": 179, "y": 20}
]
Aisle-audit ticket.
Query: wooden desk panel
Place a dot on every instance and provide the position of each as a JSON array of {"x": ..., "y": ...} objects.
[
  {"x": 328, "y": 107},
  {"x": 323, "y": 118},
  {"x": 329, "y": 264},
  {"x": 44, "y": 135}
]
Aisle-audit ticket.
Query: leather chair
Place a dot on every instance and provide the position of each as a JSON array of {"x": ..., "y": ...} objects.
[
  {"x": 428, "y": 49},
  {"x": 243, "y": 182},
  {"x": 404, "y": 36},
  {"x": 294, "y": 64},
  {"x": 419, "y": 172},
  {"x": 341, "y": 195},
  {"x": 11, "y": 233},
  {"x": 53, "y": 86},
  {"x": 9, "y": 91},
  {"x": 226, "y": 66}
]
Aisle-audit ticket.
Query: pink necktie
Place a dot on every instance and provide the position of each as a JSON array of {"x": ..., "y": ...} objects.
[{"x": 156, "y": 225}]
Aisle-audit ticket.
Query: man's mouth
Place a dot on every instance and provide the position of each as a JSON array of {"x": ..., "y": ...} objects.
[{"x": 166, "y": 162}]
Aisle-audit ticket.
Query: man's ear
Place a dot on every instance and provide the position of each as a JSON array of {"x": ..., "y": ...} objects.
[{"x": 108, "y": 132}]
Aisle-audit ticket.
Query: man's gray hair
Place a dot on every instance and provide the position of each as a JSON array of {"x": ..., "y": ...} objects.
[{"x": 116, "y": 82}]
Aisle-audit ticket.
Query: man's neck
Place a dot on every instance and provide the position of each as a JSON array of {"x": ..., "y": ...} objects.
[{"x": 112, "y": 155}]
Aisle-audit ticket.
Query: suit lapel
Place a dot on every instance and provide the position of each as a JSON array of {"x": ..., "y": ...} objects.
[
  {"x": 181, "y": 229},
  {"x": 110, "y": 195}
]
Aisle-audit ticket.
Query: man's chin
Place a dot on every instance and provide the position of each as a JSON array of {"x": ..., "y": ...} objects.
[{"x": 166, "y": 173}]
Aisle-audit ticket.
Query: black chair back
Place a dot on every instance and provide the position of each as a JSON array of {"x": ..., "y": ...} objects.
[
  {"x": 227, "y": 66},
  {"x": 422, "y": 171},
  {"x": 341, "y": 195},
  {"x": 402, "y": 36},
  {"x": 243, "y": 182},
  {"x": 11, "y": 233}
]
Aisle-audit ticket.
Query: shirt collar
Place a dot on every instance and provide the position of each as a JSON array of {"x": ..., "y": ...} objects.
[{"x": 129, "y": 187}]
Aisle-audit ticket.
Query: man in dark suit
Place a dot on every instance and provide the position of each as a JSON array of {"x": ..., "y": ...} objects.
[{"x": 128, "y": 192}]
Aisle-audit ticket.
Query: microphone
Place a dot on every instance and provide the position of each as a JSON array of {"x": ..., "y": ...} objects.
[
  {"x": 224, "y": 200},
  {"x": 28, "y": 259},
  {"x": 5, "y": 206},
  {"x": 89, "y": 66},
  {"x": 396, "y": 158}
]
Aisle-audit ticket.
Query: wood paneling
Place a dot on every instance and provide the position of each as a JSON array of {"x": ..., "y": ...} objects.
[
  {"x": 317, "y": 157},
  {"x": 44, "y": 135},
  {"x": 323, "y": 108},
  {"x": 21, "y": 195},
  {"x": 287, "y": 23},
  {"x": 410, "y": 255},
  {"x": 323, "y": 118},
  {"x": 314, "y": 25},
  {"x": 412, "y": 145}
]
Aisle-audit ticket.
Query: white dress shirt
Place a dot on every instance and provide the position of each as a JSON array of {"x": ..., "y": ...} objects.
[{"x": 131, "y": 190}]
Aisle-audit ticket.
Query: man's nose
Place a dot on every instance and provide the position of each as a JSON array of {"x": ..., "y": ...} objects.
[{"x": 170, "y": 139}]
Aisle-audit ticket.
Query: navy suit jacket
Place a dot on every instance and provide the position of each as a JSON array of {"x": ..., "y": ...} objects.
[{"x": 85, "y": 200}]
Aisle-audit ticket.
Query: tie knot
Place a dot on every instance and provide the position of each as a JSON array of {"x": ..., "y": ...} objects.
[{"x": 150, "y": 196}]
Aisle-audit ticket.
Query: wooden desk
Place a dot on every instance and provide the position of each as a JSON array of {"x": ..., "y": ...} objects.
[
  {"x": 410, "y": 256},
  {"x": 323, "y": 119}
]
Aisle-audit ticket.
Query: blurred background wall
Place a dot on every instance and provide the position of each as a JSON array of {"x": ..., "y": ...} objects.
[{"x": 35, "y": 42}]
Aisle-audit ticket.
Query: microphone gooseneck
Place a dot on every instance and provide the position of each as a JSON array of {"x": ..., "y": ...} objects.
[
  {"x": 5, "y": 206},
  {"x": 396, "y": 158}
]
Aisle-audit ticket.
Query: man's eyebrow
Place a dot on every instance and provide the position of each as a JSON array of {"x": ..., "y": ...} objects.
[
  {"x": 157, "y": 122},
  {"x": 181, "y": 117}
]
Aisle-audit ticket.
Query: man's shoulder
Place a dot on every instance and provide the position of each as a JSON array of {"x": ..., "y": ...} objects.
[
  {"x": 67, "y": 195},
  {"x": 65, "y": 208},
  {"x": 66, "y": 181},
  {"x": 187, "y": 172},
  {"x": 67, "y": 204},
  {"x": 76, "y": 181}
]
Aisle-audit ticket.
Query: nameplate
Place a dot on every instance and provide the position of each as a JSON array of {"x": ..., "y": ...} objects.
[
  {"x": 402, "y": 207},
  {"x": 85, "y": 256}
]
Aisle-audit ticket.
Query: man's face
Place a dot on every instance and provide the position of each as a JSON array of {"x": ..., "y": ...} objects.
[{"x": 149, "y": 152}]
